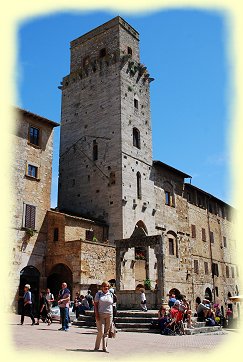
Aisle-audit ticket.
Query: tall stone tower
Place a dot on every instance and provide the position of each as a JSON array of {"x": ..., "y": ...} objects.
[{"x": 106, "y": 140}]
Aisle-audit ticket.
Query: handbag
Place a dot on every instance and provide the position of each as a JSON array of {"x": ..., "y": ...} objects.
[{"x": 112, "y": 331}]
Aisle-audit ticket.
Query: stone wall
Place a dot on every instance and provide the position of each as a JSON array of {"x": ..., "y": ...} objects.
[{"x": 30, "y": 250}]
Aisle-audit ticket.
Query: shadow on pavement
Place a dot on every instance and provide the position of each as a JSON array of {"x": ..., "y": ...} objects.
[{"x": 83, "y": 350}]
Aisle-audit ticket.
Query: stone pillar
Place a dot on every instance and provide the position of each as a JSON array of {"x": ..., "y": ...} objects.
[
  {"x": 120, "y": 252},
  {"x": 118, "y": 269},
  {"x": 160, "y": 270}
]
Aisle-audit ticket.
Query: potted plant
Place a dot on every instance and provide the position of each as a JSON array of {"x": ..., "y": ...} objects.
[{"x": 147, "y": 284}]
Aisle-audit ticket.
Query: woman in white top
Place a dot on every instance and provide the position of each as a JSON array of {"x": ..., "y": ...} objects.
[{"x": 103, "y": 308}]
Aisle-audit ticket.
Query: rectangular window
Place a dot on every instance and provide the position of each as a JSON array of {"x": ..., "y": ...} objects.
[
  {"x": 227, "y": 271},
  {"x": 215, "y": 269},
  {"x": 29, "y": 221},
  {"x": 135, "y": 103},
  {"x": 34, "y": 136},
  {"x": 193, "y": 227},
  {"x": 196, "y": 269},
  {"x": 233, "y": 272},
  {"x": 205, "y": 267},
  {"x": 89, "y": 234},
  {"x": 224, "y": 242},
  {"x": 32, "y": 171},
  {"x": 55, "y": 234},
  {"x": 171, "y": 247},
  {"x": 204, "y": 235},
  {"x": 189, "y": 197},
  {"x": 216, "y": 291},
  {"x": 167, "y": 198},
  {"x": 211, "y": 237}
]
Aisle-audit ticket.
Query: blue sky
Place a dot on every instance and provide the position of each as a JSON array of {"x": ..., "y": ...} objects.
[{"x": 185, "y": 50}]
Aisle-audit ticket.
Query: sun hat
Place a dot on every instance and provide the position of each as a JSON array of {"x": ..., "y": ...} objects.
[{"x": 27, "y": 286}]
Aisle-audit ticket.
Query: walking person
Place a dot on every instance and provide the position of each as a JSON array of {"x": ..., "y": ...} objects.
[
  {"x": 27, "y": 307},
  {"x": 103, "y": 308},
  {"x": 63, "y": 303},
  {"x": 49, "y": 297},
  {"x": 43, "y": 309},
  {"x": 143, "y": 300}
]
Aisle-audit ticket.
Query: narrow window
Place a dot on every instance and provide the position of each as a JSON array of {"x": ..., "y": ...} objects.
[
  {"x": 211, "y": 237},
  {"x": 55, "y": 234},
  {"x": 95, "y": 151},
  {"x": 205, "y": 267},
  {"x": 217, "y": 291},
  {"x": 215, "y": 269},
  {"x": 30, "y": 211},
  {"x": 32, "y": 171},
  {"x": 136, "y": 138},
  {"x": 112, "y": 178},
  {"x": 227, "y": 271},
  {"x": 171, "y": 247},
  {"x": 224, "y": 242},
  {"x": 34, "y": 136},
  {"x": 139, "y": 191},
  {"x": 167, "y": 198},
  {"x": 189, "y": 197},
  {"x": 89, "y": 234},
  {"x": 204, "y": 235},
  {"x": 135, "y": 103},
  {"x": 129, "y": 50},
  {"x": 233, "y": 272},
  {"x": 193, "y": 230},
  {"x": 102, "y": 52},
  {"x": 196, "y": 269}
]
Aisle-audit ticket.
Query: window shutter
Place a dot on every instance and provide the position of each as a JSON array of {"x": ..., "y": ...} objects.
[
  {"x": 204, "y": 234},
  {"x": 30, "y": 216}
]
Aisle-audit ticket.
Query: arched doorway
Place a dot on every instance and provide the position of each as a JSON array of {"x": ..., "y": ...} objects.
[
  {"x": 208, "y": 294},
  {"x": 29, "y": 275},
  {"x": 60, "y": 273},
  {"x": 174, "y": 291}
]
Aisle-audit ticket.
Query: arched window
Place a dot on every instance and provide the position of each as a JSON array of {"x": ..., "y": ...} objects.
[
  {"x": 172, "y": 243},
  {"x": 95, "y": 150},
  {"x": 129, "y": 50},
  {"x": 136, "y": 138},
  {"x": 169, "y": 194},
  {"x": 102, "y": 52},
  {"x": 139, "y": 191}
]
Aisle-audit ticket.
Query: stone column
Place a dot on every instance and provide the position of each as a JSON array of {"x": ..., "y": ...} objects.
[
  {"x": 118, "y": 269},
  {"x": 160, "y": 270}
]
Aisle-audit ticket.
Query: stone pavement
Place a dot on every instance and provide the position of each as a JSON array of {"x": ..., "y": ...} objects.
[{"x": 79, "y": 342}]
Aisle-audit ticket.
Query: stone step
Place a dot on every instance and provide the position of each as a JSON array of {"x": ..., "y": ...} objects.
[
  {"x": 137, "y": 321},
  {"x": 205, "y": 329}
]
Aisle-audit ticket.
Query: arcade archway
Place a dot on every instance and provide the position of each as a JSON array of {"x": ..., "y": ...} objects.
[
  {"x": 29, "y": 275},
  {"x": 60, "y": 273}
]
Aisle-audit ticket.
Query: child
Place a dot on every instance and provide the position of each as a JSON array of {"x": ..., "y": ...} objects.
[{"x": 143, "y": 300}]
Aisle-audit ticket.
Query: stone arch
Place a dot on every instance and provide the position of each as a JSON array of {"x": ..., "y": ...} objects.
[
  {"x": 29, "y": 275},
  {"x": 58, "y": 274},
  {"x": 174, "y": 291},
  {"x": 140, "y": 230},
  {"x": 208, "y": 294}
]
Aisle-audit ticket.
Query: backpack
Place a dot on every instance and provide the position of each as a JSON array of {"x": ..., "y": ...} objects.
[{"x": 114, "y": 297}]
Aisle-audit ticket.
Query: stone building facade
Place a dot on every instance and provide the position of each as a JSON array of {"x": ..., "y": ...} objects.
[
  {"x": 107, "y": 172},
  {"x": 31, "y": 182},
  {"x": 121, "y": 215}
]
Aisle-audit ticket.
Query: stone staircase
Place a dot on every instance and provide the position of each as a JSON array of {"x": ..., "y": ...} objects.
[{"x": 138, "y": 321}]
